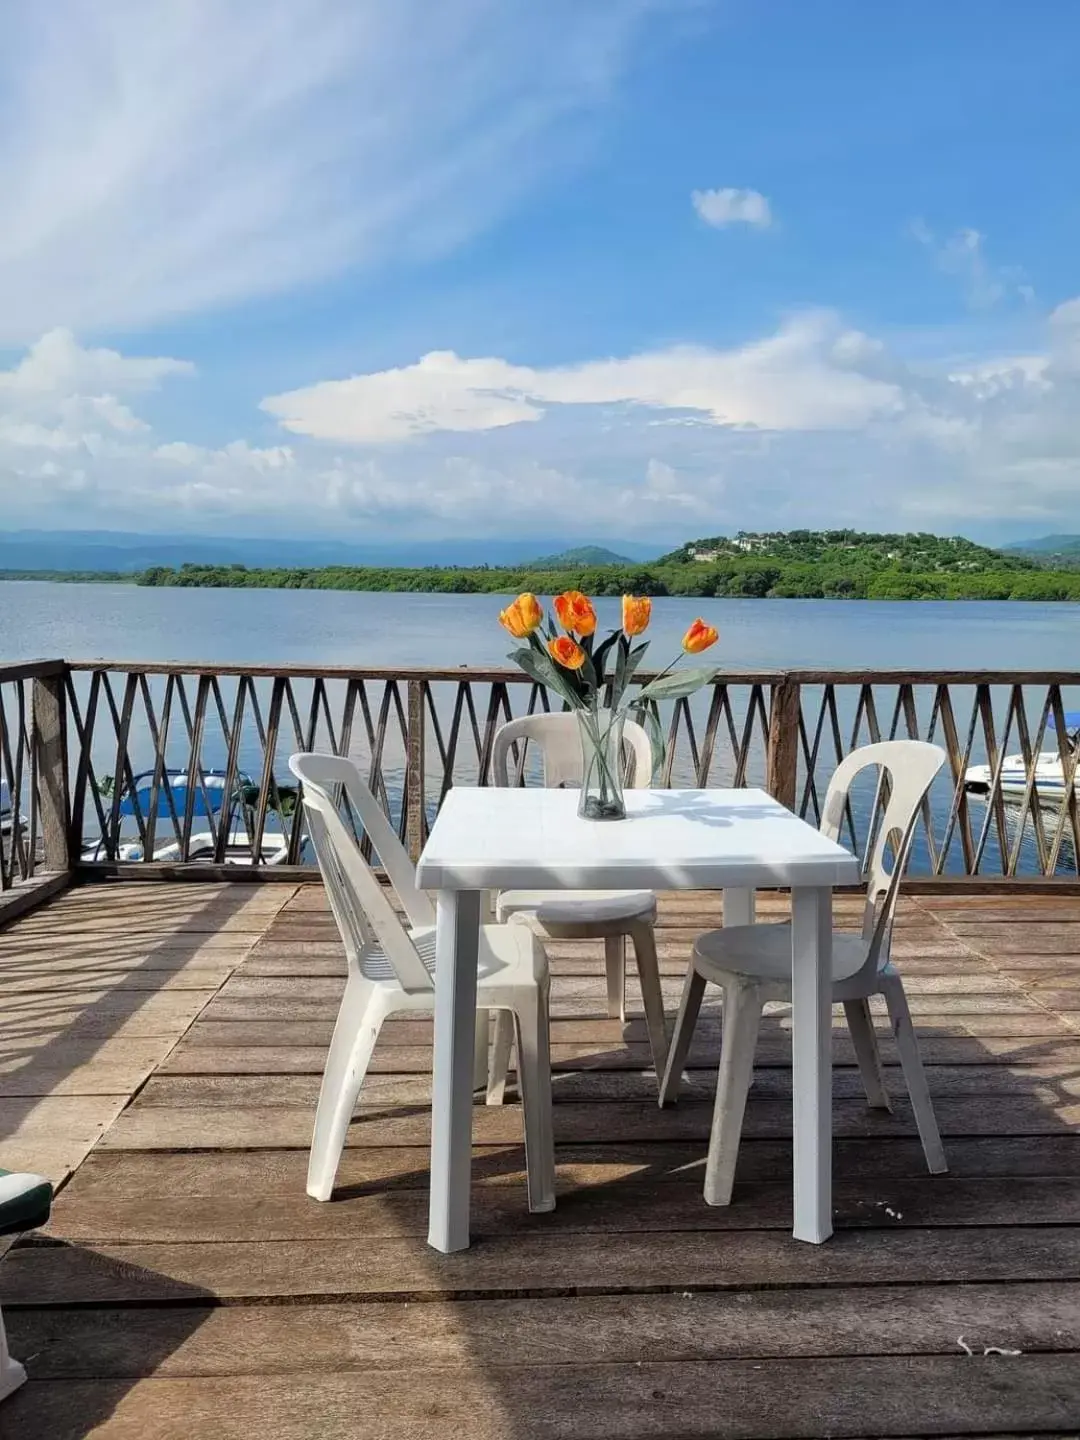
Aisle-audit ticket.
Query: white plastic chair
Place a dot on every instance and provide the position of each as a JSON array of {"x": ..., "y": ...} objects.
[
  {"x": 609, "y": 915},
  {"x": 752, "y": 963},
  {"x": 25, "y": 1201},
  {"x": 390, "y": 969}
]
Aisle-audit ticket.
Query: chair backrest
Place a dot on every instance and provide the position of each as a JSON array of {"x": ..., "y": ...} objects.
[
  {"x": 362, "y": 909},
  {"x": 906, "y": 772},
  {"x": 558, "y": 739}
]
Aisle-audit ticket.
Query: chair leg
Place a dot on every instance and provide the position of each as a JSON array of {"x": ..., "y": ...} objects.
[
  {"x": 679, "y": 1049},
  {"x": 914, "y": 1074},
  {"x": 643, "y": 938},
  {"x": 861, "y": 1024},
  {"x": 615, "y": 964},
  {"x": 742, "y": 1016},
  {"x": 499, "y": 1063},
  {"x": 481, "y": 1064},
  {"x": 355, "y": 1033},
  {"x": 534, "y": 1082},
  {"x": 12, "y": 1374}
]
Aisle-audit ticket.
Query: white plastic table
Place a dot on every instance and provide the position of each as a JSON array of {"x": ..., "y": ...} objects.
[{"x": 737, "y": 841}]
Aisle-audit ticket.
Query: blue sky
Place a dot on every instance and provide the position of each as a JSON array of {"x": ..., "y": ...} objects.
[{"x": 597, "y": 268}]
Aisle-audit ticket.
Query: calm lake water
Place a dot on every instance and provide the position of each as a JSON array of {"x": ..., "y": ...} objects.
[{"x": 312, "y": 628}]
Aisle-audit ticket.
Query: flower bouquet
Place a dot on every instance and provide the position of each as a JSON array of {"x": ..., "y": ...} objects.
[{"x": 594, "y": 678}]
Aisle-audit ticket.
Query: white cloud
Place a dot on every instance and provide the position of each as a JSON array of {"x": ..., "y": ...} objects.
[
  {"x": 812, "y": 424},
  {"x": 166, "y": 157},
  {"x": 721, "y": 208},
  {"x": 963, "y": 254},
  {"x": 61, "y": 396},
  {"x": 802, "y": 378}
]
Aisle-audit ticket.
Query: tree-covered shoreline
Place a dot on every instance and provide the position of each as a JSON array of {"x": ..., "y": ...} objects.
[
  {"x": 798, "y": 564},
  {"x": 736, "y": 580}
]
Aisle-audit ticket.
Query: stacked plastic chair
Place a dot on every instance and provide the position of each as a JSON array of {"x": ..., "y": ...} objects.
[{"x": 25, "y": 1201}]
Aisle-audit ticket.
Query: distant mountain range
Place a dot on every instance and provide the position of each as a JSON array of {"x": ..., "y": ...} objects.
[
  {"x": 1054, "y": 551},
  {"x": 126, "y": 553}
]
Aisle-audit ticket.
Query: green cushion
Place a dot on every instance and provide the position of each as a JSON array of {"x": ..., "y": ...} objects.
[{"x": 25, "y": 1201}]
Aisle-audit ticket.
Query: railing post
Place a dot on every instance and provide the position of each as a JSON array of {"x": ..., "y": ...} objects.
[
  {"x": 782, "y": 761},
  {"x": 50, "y": 750},
  {"x": 415, "y": 819}
]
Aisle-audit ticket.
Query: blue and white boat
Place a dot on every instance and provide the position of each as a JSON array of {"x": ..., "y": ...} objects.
[
  {"x": 6, "y": 815},
  {"x": 1049, "y": 772},
  {"x": 210, "y": 798}
]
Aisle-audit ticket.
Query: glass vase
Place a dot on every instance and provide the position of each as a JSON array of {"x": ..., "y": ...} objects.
[{"x": 602, "y": 765}]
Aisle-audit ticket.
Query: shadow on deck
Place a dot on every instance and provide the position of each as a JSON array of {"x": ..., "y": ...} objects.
[{"x": 188, "y": 1287}]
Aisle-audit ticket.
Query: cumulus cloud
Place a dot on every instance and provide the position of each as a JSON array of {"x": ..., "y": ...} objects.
[
  {"x": 167, "y": 157},
  {"x": 802, "y": 378},
  {"x": 721, "y": 208},
  {"x": 814, "y": 423},
  {"x": 61, "y": 396}
]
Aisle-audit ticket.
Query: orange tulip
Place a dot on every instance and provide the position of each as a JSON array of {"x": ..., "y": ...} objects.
[
  {"x": 566, "y": 652},
  {"x": 575, "y": 612},
  {"x": 636, "y": 613},
  {"x": 523, "y": 616},
  {"x": 699, "y": 637}
]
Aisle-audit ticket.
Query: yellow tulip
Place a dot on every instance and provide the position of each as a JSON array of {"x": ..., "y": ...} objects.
[
  {"x": 699, "y": 637},
  {"x": 566, "y": 652},
  {"x": 575, "y": 612},
  {"x": 523, "y": 616},
  {"x": 636, "y": 613}
]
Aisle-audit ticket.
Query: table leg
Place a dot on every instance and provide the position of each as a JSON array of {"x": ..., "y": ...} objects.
[
  {"x": 457, "y": 938},
  {"x": 811, "y": 1020},
  {"x": 739, "y": 907}
]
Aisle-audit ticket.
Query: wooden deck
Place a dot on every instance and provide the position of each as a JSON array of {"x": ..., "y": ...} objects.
[{"x": 160, "y": 1045}]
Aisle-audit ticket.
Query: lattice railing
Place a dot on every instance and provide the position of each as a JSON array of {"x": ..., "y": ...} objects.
[
  {"x": 1017, "y": 817},
  {"x": 33, "y": 794},
  {"x": 146, "y": 731}
]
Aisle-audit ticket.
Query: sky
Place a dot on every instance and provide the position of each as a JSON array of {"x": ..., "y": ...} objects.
[{"x": 591, "y": 269}]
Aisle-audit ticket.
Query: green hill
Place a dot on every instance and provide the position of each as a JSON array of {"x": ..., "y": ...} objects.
[
  {"x": 580, "y": 555},
  {"x": 904, "y": 553}
]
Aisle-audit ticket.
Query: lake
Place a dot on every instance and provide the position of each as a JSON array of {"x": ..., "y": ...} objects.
[
  {"x": 39, "y": 619},
  {"x": 363, "y": 630}
]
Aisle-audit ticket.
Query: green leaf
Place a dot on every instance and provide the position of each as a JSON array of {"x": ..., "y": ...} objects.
[
  {"x": 676, "y": 685},
  {"x": 544, "y": 671},
  {"x": 634, "y": 659},
  {"x": 601, "y": 653},
  {"x": 587, "y": 675},
  {"x": 629, "y": 661}
]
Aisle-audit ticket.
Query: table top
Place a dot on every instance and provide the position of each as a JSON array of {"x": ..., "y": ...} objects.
[{"x": 492, "y": 838}]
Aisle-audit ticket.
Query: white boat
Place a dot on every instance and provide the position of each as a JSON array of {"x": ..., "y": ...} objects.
[
  {"x": 1049, "y": 772},
  {"x": 208, "y": 799}
]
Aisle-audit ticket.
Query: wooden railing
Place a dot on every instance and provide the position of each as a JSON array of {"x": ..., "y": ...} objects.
[
  {"x": 131, "y": 730},
  {"x": 34, "y": 804}
]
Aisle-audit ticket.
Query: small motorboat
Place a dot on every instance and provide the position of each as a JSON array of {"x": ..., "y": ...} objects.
[
  {"x": 1049, "y": 773},
  {"x": 232, "y": 807}
]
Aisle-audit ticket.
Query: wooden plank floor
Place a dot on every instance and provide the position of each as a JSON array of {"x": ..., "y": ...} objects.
[{"x": 187, "y": 1287}]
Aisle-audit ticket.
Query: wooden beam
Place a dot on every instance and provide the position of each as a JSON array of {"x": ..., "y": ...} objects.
[
  {"x": 29, "y": 894},
  {"x": 32, "y": 670},
  {"x": 506, "y": 673},
  {"x": 50, "y": 745},
  {"x": 785, "y": 699},
  {"x": 414, "y": 770},
  {"x": 194, "y": 870}
]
